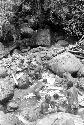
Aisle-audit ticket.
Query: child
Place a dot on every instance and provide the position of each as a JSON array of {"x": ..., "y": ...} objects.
[{"x": 72, "y": 97}]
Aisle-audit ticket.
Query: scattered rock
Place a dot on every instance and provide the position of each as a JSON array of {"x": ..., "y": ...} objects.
[
  {"x": 58, "y": 80},
  {"x": 33, "y": 114},
  {"x": 65, "y": 62},
  {"x": 38, "y": 85},
  {"x": 24, "y": 82},
  {"x": 30, "y": 114},
  {"x": 49, "y": 77},
  {"x": 21, "y": 120},
  {"x": 37, "y": 72},
  {"x": 12, "y": 106},
  {"x": 6, "y": 89},
  {"x": 68, "y": 80},
  {"x": 26, "y": 30},
  {"x": 25, "y": 95},
  {"x": 62, "y": 43},
  {"x": 29, "y": 92}
]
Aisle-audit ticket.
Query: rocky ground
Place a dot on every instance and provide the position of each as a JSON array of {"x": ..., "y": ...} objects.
[{"x": 42, "y": 85}]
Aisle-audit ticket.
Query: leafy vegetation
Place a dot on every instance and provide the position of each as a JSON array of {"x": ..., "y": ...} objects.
[
  {"x": 70, "y": 14},
  {"x": 67, "y": 14}
]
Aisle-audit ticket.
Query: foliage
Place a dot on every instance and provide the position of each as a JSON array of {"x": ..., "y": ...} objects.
[
  {"x": 66, "y": 13},
  {"x": 69, "y": 12},
  {"x": 6, "y": 11}
]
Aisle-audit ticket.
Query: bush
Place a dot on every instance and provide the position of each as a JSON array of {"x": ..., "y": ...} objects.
[{"x": 68, "y": 14}]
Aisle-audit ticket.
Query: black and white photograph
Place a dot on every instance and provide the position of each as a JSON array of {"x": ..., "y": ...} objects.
[{"x": 41, "y": 62}]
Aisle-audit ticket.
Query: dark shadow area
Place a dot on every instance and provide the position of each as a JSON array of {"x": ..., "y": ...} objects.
[{"x": 74, "y": 75}]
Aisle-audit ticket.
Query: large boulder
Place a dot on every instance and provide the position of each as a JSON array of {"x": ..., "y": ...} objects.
[
  {"x": 6, "y": 89},
  {"x": 63, "y": 43},
  {"x": 65, "y": 62}
]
